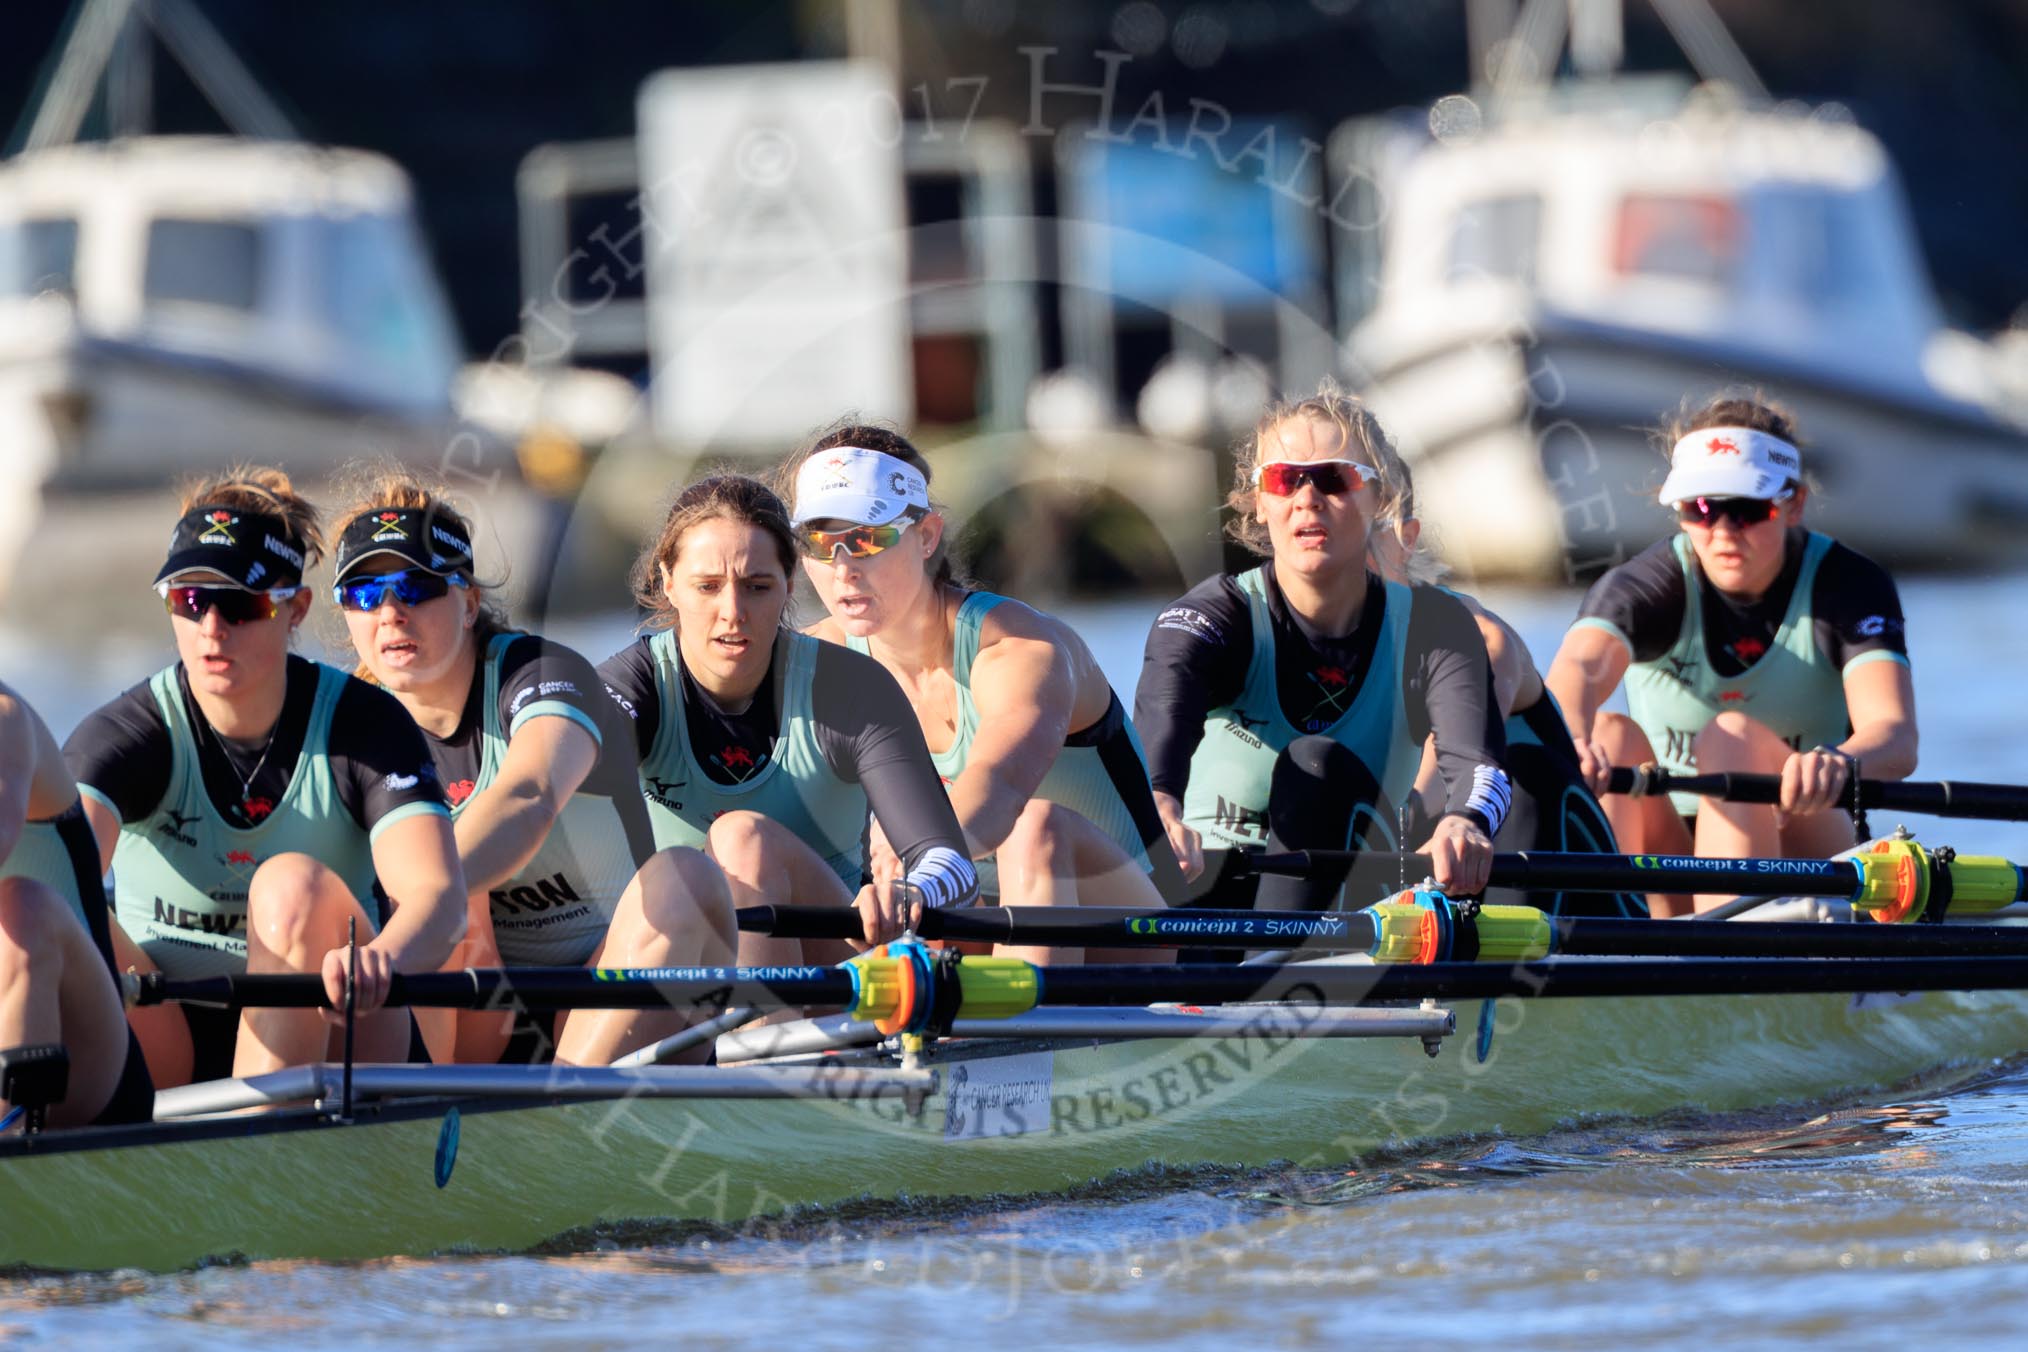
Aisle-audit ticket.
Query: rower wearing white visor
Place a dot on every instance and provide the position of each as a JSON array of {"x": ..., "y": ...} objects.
[
  {"x": 1748, "y": 643},
  {"x": 768, "y": 748},
  {"x": 1043, "y": 765},
  {"x": 1287, "y": 706},
  {"x": 539, "y": 767}
]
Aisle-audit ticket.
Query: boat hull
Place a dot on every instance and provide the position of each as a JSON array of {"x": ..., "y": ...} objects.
[{"x": 1028, "y": 1118}]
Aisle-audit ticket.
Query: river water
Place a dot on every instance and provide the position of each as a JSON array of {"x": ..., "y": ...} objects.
[{"x": 1892, "y": 1217}]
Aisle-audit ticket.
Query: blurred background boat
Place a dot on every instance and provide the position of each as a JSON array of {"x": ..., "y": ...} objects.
[
  {"x": 1564, "y": 262},
  {"x": 173, "y": 305}
]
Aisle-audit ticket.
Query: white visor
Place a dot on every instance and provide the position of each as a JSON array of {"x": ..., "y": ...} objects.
[
  {"x": 851, "y": 483},
  {"x": 1729, "y": 462}
]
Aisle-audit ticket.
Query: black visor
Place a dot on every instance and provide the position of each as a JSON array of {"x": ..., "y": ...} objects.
[
  {"x": 428, "y": 540},
  {"x": 249, "y": 549}
]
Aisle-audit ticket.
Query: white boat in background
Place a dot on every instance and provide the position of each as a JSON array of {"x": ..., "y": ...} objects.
[
  {"x": 170, "y": 305},
  {"x": 1559, "y": 270}
]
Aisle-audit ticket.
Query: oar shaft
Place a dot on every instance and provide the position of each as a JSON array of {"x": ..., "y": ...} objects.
[
  {"x": 1334, "y": 984},
  {"x": 527, "y": 988},
  {"x": 1339, "y": 931},
  {"x": 1552, "y": 872},
  {"x": 1586, "y": 936},
  {"x": 1103, "y": 926},
  {"x": 1939, "y": 798},
  {"x": 1316, "y": 983}
]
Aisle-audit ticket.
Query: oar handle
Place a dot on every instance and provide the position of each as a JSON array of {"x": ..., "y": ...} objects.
[{"x": 1937, "y": 798}]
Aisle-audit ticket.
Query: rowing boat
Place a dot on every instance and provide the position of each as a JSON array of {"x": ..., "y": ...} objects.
[{"x": 436, "y": 1159}]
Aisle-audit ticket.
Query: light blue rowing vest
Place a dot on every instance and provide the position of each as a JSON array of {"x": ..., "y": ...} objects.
[
  {"x": 1232, "y": 770},
  {"x": 794, "y": 785}
]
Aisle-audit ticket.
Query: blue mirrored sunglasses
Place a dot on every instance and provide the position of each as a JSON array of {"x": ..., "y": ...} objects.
[{"x": 410, "y": 586}]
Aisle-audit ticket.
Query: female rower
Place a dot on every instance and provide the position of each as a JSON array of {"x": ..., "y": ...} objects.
[
  {"x": 540, "y": 771},
  {"x": 768, "y": 747},
  {"x": 1290, "y": 703},
  {"x": 56, "y": 955},
  {"x": 1553, "y": 809},
  {"x": 247, "y": 799},
  {"x": 1749, "y": 644},
  {"x": 1043, "y": 766}
]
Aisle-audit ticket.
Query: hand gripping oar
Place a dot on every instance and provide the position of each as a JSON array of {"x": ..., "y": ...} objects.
[{"x": 1936, "y": 798}]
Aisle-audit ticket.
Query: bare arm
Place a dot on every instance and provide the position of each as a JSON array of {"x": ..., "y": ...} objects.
[
  {"x": 416, "y": 858},
  {"x": 503, "y": 826},
  {"x": 1880, "y": 700},
  {"x": 1588, "y": 668},
  {"x": 18, "y": 756},
  {"x": 1023, "y": 687},
  {"x": 105, "y": 830}
]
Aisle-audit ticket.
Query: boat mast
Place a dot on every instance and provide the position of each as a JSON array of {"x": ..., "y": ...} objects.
[
  {"x": 1512, "y": 52},
  {"x": 108, "y": 44}
]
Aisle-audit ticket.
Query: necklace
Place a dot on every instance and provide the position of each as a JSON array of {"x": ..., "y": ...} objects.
[{"x": 253, "y": 810}]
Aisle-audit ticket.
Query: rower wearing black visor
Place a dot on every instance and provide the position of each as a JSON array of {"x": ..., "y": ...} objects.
[{"x": 247, "y": 800}]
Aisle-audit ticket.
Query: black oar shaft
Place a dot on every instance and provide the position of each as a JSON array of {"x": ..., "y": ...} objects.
[
  {"x": 1600, "y": 872},
  {"x": 1086, "y": 925},
  {"x": 1336, "y": 931},
  {"x": 1336, "y": 984},
  {"x": 1940, "y": 798},
  {"x": 1585, "y": 936},
  {"x": 526, "y": 988},
  {"x": 1317, "y": 983}
]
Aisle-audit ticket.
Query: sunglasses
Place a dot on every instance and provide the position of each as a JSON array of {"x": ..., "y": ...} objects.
[
  {"x": 1741, "y": 512},
  {"x": 411, "y": 587},
  {"x": 860, "y": 542},
  {"x": 1284, "y": 478},
  {"x": 235, "y": 605}
]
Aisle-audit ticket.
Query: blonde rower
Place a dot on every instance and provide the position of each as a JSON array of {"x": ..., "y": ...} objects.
[{"x": 247, "y": 799}]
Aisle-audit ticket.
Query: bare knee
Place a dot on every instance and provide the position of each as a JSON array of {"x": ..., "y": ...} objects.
[
  {"x": 282, "y": 901},
  {"x": 1735, "y": 741},
  {"x": 682, "y": 888},
  {"x": 737, "y": 843},
  {"x": 33, "y": 926},
  {"x": 1621, "y": 739},
  {"x": 1042, "y": 833}
]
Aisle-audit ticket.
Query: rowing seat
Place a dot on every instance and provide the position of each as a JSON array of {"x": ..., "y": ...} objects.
[{"x": 31, "y": 1078}]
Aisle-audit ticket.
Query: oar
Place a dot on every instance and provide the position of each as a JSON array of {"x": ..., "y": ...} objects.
[
  {"x": 1936, "y": 798},
  {"x": 1362, "y": 932},
  {"x": 998, "y": 987},
  {"x": 1896, "y": 880}
]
